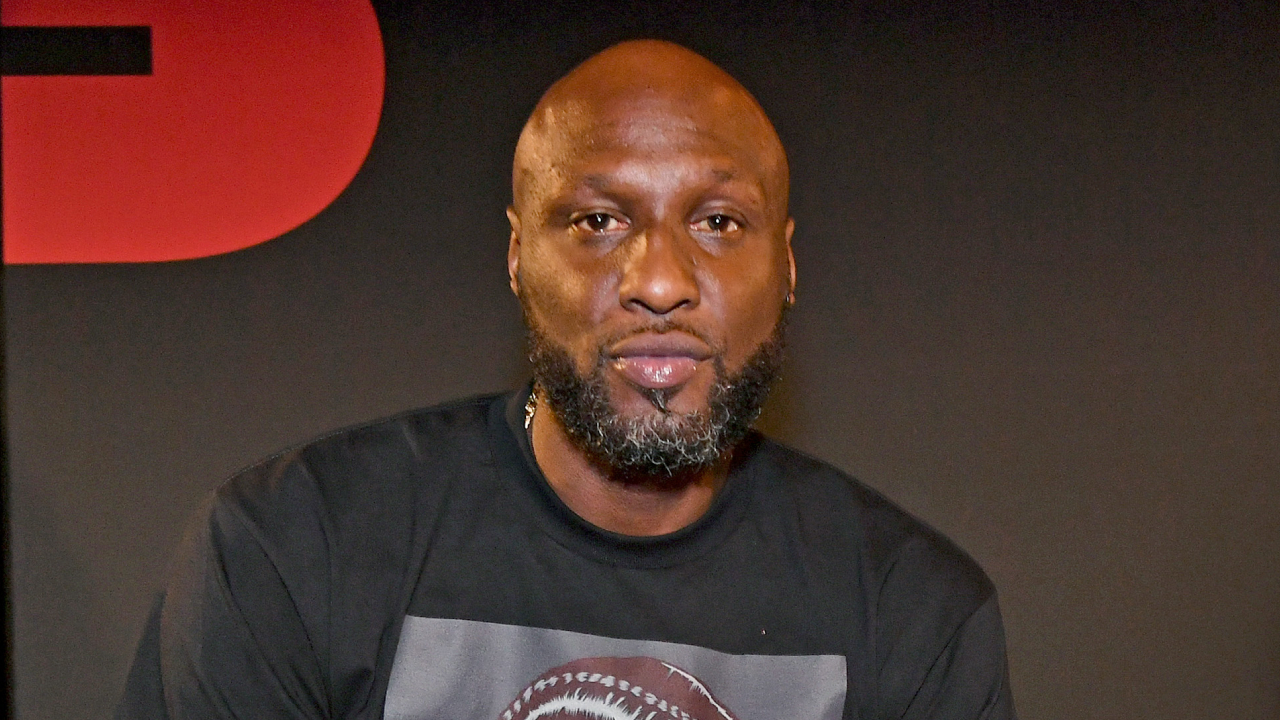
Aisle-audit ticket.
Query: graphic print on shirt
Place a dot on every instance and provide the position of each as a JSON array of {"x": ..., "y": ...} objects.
[
  {"x": 468, "y": 670},
  {"x": 615, "y": 688}
]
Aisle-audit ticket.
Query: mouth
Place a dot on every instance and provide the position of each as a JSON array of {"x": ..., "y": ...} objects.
[{"x": 659, "y": 363}]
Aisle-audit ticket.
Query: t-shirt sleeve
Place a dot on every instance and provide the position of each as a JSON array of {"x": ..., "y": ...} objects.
[
  {"x": 942, "y": 651},
  {"x": 287, "y": 593},
  {"x": 228, "y": 638},
  {"x": 143, "y": 692},
  {"x": 969, "y": 680}
]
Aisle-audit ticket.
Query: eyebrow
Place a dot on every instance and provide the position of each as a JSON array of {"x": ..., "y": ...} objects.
[{"x": 596, "y": 181}]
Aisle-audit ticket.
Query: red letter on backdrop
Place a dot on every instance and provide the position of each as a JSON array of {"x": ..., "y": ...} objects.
[{"x": 256, "y": 115}]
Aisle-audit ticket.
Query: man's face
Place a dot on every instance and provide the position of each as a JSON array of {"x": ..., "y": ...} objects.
[{"x": 651, "y": 249}]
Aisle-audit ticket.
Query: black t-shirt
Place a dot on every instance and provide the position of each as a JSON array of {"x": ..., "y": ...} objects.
[{"x": 422, "y": 567}]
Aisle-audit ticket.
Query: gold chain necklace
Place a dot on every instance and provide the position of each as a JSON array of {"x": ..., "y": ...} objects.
[{"x": 530, "y": 407}]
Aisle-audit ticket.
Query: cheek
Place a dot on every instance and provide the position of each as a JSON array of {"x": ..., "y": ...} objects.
[
  {"x": 747, "y": 302},
  {"x": 567, "y": 299}
]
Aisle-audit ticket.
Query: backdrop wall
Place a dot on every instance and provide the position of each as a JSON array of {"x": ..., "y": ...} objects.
[{"x": 1039, "y": 306}]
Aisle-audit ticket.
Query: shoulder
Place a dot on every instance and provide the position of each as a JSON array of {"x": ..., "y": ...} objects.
[
  {"x": 894, "y": 551},
  {"x": 377, "y": 466},
  {"x": 922, "y": 614},
  {"x": 299, "y": 565}
]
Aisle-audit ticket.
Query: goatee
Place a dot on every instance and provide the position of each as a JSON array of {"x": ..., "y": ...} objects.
[{"x": 662, "y": 448}]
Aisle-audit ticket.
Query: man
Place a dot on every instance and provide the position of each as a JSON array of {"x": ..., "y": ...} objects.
[{"x": 612, "y": 542}]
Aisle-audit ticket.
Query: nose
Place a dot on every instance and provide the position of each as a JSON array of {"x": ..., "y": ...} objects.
[{"x": 659, "y": 274}]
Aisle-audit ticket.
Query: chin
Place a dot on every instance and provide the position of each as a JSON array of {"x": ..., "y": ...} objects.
[{"x": 653, "y": 433}]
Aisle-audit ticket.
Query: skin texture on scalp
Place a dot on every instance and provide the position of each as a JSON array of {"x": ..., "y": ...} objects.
[
  {"x": 650, "y": 249},
  {"x": 641, "y": 72}
]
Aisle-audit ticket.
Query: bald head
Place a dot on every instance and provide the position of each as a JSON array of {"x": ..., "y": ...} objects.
[{"x": 639, "y": 95}]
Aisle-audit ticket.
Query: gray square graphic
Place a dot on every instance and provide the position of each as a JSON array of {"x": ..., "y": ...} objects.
[{"x": 467, "y": 670}]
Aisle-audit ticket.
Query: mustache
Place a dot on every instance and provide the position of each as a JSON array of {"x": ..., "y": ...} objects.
[{"x": 658, "y": 328}]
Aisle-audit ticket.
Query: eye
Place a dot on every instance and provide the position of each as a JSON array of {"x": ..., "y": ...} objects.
[
  {"x": 599, "y": 222},
  {"x": 718, "y": 223}
]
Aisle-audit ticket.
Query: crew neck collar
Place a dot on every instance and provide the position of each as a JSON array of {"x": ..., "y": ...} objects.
[{"x": 518, "y": 467}]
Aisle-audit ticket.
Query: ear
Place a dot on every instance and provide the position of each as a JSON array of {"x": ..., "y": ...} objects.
[
  {"x": 791, "y": 257},
  {"x": 513, "y": 250}
]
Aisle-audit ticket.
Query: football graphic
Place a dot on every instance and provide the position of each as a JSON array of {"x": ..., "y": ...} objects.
[{"x": 616, "y": 688}]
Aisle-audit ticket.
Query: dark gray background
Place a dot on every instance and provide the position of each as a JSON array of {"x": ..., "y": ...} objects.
[{"x": 1039, "y": 305}]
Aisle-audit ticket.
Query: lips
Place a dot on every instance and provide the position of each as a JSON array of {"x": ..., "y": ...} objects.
[
  {"x": 657, "y": 373},
  {"x": 659, "y": 361}
]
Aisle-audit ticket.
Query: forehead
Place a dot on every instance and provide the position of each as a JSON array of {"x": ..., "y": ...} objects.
[{"x": 646, "y": 133}]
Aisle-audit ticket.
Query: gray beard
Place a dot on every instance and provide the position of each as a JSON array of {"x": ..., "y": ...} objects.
[{"x": 657, "y": 449}]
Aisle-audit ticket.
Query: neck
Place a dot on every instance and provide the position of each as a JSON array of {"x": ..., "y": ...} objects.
[{"x": 628, "y": 506}]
